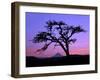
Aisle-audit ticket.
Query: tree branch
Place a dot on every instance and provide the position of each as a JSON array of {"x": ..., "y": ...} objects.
[
  {"x": 61, "y": 33},
  {"x": 57, "y": 41}
]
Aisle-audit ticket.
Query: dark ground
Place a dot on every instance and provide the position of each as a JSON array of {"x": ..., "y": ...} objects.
[{"x": 56, "y": 61}]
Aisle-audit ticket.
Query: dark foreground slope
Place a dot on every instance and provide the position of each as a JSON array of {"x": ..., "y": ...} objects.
[{"x": 55, "y": 61}]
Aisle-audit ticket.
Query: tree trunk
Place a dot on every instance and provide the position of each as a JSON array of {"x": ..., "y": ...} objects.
[{"x": 67, "y": 51}]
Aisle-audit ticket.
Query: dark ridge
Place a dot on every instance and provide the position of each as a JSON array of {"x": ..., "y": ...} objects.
[{"x": 57, "y": 61}]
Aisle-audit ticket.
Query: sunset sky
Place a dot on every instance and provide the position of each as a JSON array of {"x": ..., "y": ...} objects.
[{"x": 35, "y": 23}]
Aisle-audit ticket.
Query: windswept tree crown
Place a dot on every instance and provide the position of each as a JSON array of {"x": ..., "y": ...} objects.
[{"x": 58, "y": 32}]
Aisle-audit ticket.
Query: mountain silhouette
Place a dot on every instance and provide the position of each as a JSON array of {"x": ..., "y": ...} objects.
[{"x": 57, "y": 55}]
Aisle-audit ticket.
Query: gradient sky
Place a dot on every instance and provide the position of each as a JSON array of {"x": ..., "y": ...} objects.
[{"x": 35, "y": 23}]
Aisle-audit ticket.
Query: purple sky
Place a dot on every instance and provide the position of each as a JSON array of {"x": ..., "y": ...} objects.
[{"x": 35, "y": 23}]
